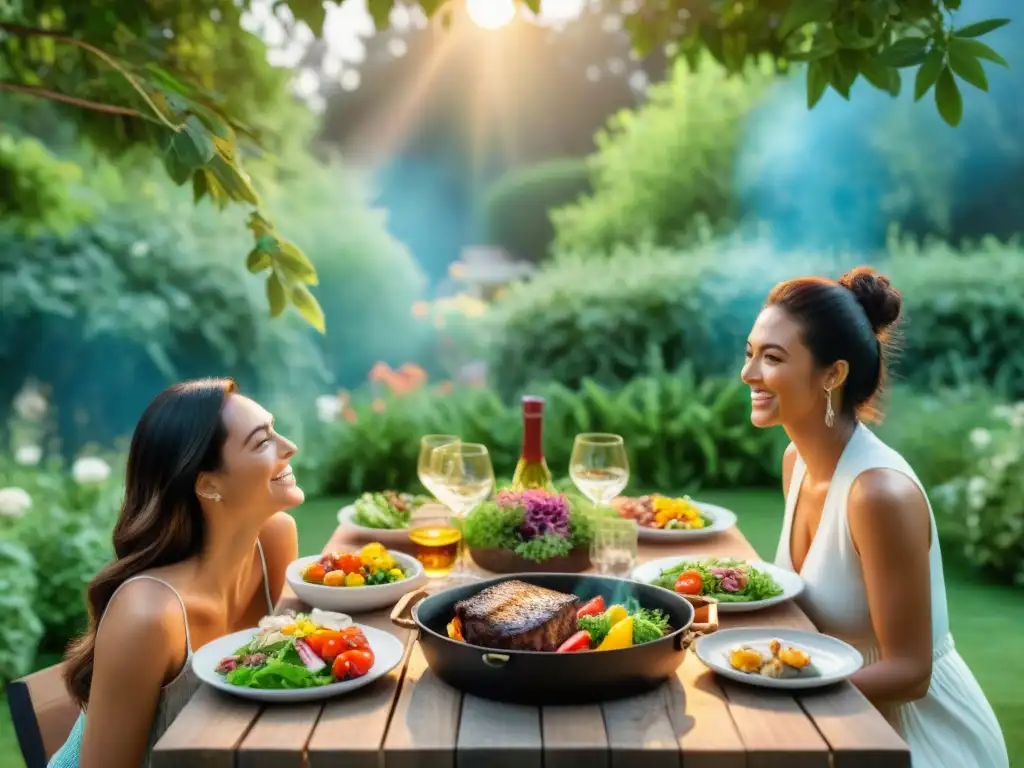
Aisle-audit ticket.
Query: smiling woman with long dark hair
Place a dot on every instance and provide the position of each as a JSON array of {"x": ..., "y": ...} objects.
[
  {"x": 200, "y": 548},
  {"x": 858, "y": 525}
]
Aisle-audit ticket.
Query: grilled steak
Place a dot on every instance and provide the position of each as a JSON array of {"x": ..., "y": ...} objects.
[{"x": 517, "y": 616}]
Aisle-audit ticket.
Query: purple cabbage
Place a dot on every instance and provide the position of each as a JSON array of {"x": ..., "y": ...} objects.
[{"x": 544, "y": 513}]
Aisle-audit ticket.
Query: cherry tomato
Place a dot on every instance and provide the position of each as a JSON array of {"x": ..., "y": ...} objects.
[
  {"x": 354, "y": 639},
  {"x": 314, "y": 574},
  {"x": 357, "y": 662},
  {"x": 340, "y": 668},
  {"x": 689, "y": 583},
  {"x": 592, "y": 607},
  {"x": 347, "y": 562},
  {"x": 578, "y": 642}
]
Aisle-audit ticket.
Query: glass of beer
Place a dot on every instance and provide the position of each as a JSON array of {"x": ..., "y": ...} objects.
[{"x": 436, "y": 542}]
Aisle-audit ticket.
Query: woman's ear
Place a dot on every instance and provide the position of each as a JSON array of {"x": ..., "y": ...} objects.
[
  {"x": 836, "y": 375},
  {"x": 206, "y": 487}
]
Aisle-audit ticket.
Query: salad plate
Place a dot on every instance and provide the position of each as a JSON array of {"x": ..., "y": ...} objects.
[
  {"x": 775, "y": 657},
  {"x": 738, "y": 585},
  {"x": 382, "y": 517},
  {"x": 690, "y": 519},
  {"x": 275, "y": 661}
]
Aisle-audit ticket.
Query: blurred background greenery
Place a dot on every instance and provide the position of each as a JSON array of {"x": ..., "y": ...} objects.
[{"x": 489, "y": 212}]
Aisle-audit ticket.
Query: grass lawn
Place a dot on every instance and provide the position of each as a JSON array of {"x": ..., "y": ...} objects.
[{"x": 987, "y": 619}]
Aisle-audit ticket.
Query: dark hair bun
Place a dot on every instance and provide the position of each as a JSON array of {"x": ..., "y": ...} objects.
[{"x": 881, "y": 302}]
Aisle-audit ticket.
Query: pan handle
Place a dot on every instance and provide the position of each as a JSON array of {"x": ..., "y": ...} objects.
[
  {"x": 696, "y": 629},
  {"x": 401, "y": 614}
]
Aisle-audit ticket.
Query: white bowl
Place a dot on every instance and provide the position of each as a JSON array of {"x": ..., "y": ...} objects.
[
  {"x": 387, "y": 650},
  {"x": 386, "y": 536},
  {"x": 355, "y": 599}
]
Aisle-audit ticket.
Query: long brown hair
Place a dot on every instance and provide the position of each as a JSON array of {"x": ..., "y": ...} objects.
[{"x": 181, "y": 433}]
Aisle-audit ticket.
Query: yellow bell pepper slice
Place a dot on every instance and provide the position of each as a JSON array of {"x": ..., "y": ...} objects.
[
  {"x": 616, "y": 613},
  {"x": 619, "y": 636}
]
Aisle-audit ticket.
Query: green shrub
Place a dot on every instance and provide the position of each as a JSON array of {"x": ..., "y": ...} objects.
[
  {"x": 987, "y": 501},
  {"x": 679, "y": 432},
  {"x": 667, "y": 163},
  {"x": 964, "y": 314},
  {"x": 22, "y": 629},
  {"x": 516, "y": 207}
]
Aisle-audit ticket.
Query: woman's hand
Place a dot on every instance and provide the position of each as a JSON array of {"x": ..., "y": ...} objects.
[
  {"x": 140, "y": 646},
  {"x": 891, "y": 528}
]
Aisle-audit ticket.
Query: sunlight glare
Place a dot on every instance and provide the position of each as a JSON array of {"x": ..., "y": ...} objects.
[{"x": 491, "y": 14}]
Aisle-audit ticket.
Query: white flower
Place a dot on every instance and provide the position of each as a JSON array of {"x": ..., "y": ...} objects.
[
  {"x": 140, "y": 248},
  {"x": 980, "y": 438},
  {"x": 14, "y": 502},
  {"x": 30, "y": 404},
  {"x": 90, "y": 469},
  {"x": 328, "y": 407},
  {"x": 28, "y": 455}
]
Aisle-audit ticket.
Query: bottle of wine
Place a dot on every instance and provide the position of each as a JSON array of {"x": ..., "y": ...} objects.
[{"x": 532, "y": 470}]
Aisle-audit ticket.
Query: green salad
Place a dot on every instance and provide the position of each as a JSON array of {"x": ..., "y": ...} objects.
[
  {"x": 391, "y": 510},
  {"x": 726, "y": 580}
]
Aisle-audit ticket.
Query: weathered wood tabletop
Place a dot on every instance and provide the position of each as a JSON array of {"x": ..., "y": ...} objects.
[{"x": 410, "y": 718}]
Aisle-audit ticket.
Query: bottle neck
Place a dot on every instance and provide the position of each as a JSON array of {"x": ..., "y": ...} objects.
[{"x": 533, "y": 450}]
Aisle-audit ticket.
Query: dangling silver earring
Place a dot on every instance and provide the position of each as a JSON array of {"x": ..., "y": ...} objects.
[{"x": 830, "y": 415}]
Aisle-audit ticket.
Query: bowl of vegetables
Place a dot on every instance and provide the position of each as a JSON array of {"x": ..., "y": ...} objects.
[{"x": 366, "y": 579}]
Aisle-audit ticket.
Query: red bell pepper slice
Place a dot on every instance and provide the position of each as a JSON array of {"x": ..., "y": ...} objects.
[
  {"x": 593, "y": 607},
  {"x": 578, "y": 642}
]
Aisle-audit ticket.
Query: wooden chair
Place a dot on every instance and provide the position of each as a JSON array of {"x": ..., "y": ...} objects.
[{"x": 43, "y": 714}]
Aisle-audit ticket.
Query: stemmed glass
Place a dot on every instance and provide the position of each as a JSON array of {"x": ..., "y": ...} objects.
[
  {"x": 599, "y": 467},
  {"x": 428, "y": 443},
  {"x": 464, "y": 477}
]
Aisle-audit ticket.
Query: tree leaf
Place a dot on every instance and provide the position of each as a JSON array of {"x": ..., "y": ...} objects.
[
  {"x": 907, "y": 52},
  {"x": 199, "y": 185},
  {"x": 979, "y": 28},
  {"x": 875, "y": 72},
  {"x": 977, "y": 49},
  {"x": 308, "y": 307},
  {"x": 380, "y": 12},
  {"x": 257, "y": 260},
  {"x": 533, "y": 5},
  {"x": 895, "y": 82},
  {"x": 843, "y": 73},
  {"x": 968, "y": 68},
  {"x": 293, "y": 261},
  {"x": 817, "y": 82},
  {"x": 803, "y": 12},
  {"x": 951, "y": 5},
  {"x": 948, "y": 98},
  {"x": 312, "y": 12},
  {"x": 928, "y": 72},
  {"x": 275, "y": 295}
]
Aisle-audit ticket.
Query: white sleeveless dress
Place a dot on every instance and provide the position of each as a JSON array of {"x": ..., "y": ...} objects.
[{"x": 953, "y": 725}]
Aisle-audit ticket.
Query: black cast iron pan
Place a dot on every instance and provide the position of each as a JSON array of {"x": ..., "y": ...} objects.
[{"x": 533, "y": 677}]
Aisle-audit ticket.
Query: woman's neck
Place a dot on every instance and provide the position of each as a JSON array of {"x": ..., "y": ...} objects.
[
  {"x": 226, "y": 557},
  {"x": 821, "y": 446}
]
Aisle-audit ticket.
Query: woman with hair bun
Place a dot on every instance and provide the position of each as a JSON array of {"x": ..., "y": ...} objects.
[
  {"x": 200, "y": 548},
  {"x": 858, "y": 525}
]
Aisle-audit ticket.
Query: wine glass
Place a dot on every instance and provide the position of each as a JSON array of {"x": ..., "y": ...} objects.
[
  {"x": 428, "y": 443},
  {"x": 464, "y": 477},
  {"x": 598, "y": 466}
]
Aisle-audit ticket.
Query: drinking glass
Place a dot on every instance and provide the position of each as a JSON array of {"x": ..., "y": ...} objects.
[
  {"x": 428, "y": 443},
  {"x": 613, "y": 550},
  {"x": 436, "y": 543},
  {"x": 463, "y": 477},
  {"x": 599, "y": 466}
]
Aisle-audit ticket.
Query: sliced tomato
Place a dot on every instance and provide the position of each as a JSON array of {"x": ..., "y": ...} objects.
[
  {"x": 593, "y": 607},
  {"x": 689, "y": 583},
  {"x": 578, "y": 642},
  {"x": 354, "y": 663},
  {"x": 314, "y": 574},
  {"x": 354, "y": 638}
]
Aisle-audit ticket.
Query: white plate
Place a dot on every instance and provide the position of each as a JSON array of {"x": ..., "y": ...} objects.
[
  {"x": 722, "y": 519},
  {"x": 355, "y": 599},
  {"x": 792, "y": 584},
  {"x": 389, "y": 537},
  {"x": 834, "y": 660},
  {"x": 387, "y": 651}
]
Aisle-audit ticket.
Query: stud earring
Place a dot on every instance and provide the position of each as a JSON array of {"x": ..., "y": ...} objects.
[{"x": 830, "y": 415}]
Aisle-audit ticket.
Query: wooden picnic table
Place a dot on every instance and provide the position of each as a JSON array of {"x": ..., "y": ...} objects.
[{"x": 410, "y": 719}]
